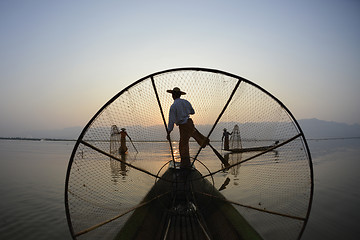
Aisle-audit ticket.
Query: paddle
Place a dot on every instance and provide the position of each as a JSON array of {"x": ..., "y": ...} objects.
[
  {"x": 222, "y": 159},
  {"x": 132, "y": 143},
  {"x": 226, "y": 182}
]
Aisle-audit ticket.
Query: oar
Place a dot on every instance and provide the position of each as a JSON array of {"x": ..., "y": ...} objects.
[
  {"x": 132, "y": 143},
  {"x": 222, "y": 159},
  {"x": 223, "y": 186}
]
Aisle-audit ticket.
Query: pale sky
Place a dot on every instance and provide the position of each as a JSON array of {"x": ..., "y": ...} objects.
[{"x": 60, "y": 61}]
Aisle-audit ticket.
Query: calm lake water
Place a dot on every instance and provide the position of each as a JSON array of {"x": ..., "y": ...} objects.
[{"x": 32, "y": 179}]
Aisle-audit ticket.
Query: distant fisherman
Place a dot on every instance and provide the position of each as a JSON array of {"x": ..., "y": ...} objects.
[
  {"x": 123, "y": 147},
  {"x": 225, "y": 136},
  {"x": 179, "y": 115}
]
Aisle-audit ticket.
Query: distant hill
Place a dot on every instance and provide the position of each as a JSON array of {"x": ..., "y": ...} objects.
[
  {"x": 66, "y": 133},
  {"x": 315, "y": 128},
  {"x": 312, "y": 128}
]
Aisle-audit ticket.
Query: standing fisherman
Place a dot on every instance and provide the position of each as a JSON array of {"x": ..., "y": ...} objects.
[
  {"x": 123, "y": 148},
  {"x": 225, "y": 136},
  {"x": 179, "y": 115}
]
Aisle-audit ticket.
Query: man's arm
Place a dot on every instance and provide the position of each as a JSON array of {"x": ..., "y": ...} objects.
[
  {"x": 190, "y": 108},
  {"x": 171, "y": 122}
]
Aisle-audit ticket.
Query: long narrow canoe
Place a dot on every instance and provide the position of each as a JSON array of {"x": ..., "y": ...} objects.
[
  {"x": 183, "y": 205},
  {"x": 253, "y": 149}
]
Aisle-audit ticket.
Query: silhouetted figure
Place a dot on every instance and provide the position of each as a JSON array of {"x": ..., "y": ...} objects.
[
  {"x": 225, "y": 139},
  {"x": 179, "y": 115},
  {"x": 123, "y": 148}
]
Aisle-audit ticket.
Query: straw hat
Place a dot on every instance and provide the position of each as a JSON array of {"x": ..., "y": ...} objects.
[{"x": 176, "y": 90}]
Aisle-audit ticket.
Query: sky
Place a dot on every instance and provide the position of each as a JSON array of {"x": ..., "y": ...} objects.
[{"x": 61, "y": 61}]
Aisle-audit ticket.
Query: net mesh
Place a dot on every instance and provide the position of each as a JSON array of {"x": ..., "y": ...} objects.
[
  {"x": 271, "y": 187},
  {"x": 235, "y": 139}
]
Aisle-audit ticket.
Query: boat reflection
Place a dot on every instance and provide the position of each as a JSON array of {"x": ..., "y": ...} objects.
[{"x": 234, "y": 159}]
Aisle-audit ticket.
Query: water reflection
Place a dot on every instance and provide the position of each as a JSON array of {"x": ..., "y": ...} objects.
[
  {"x": 235, "y": 159},
  {"x": 118, "y": 168}
]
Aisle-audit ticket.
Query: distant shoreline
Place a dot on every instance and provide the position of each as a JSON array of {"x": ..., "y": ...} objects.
[
  {"x": 37, "y": 139},
  {"x": 74, "y": 140}
]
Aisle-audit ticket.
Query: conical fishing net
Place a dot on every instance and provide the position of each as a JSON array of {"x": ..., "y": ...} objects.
[
  {"x": 265, "y": 178},
  {"x": 235, "y": 139}
]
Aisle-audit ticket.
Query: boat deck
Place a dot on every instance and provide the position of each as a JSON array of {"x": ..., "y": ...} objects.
[{"x": 183, "y": 209}]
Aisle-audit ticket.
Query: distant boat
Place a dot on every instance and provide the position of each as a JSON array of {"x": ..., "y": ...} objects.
[
  {"x": 237, "y": 146},
  {"x": 253, "y": 149}
]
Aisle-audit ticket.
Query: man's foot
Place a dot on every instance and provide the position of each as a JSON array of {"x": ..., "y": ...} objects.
[{"x": 185, "y": 163}]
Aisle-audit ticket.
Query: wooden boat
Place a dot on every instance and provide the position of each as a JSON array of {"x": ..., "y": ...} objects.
[
  {"x": 180, "y": 210},
  {"x": 252, "y": 149}
]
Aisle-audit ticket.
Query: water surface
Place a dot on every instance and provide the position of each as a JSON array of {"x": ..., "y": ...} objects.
[{"x": 32, "y": 178}]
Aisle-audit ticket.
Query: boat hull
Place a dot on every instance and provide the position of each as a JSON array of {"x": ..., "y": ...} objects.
[{"x": 183, "y": 205}]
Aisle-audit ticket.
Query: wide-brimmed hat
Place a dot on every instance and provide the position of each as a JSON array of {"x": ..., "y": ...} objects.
[{"x": 176, "y": 90}]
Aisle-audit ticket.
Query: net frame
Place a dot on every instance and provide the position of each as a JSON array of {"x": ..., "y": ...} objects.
[{"x": 153, "y": 77}]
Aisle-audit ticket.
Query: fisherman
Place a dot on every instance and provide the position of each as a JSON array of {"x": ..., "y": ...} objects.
[
  {"x": 225, "y": 136},
  {"x": 179, "y": 115},
  {"x": 123, "y": 148}
]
